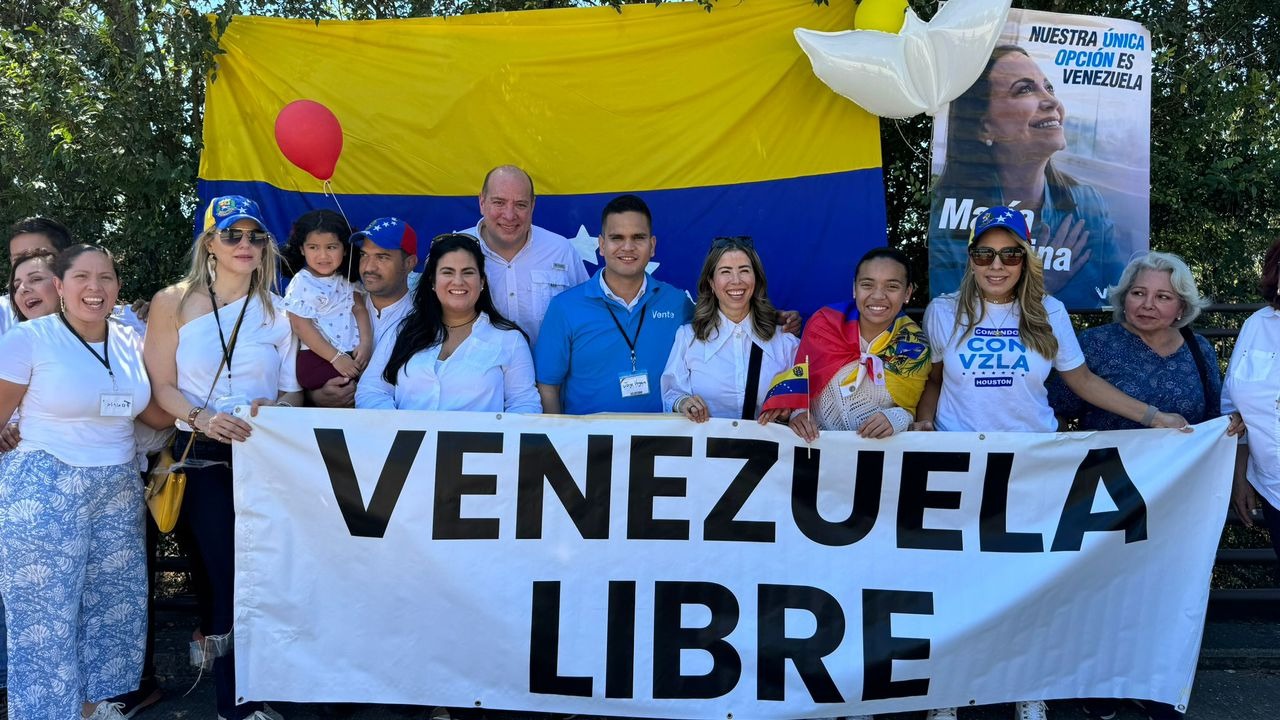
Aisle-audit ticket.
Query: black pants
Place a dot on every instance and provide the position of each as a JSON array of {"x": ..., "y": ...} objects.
[{"x": 208, "y": 510}]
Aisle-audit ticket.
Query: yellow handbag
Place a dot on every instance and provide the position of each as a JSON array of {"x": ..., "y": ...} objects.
[{"x": 165, "y": 487}]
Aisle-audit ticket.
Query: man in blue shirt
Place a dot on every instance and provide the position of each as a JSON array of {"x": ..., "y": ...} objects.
[{"x": 604, "y": 343}]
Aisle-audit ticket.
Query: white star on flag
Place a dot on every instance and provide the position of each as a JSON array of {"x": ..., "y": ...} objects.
[{"x": 585, "y": 243}]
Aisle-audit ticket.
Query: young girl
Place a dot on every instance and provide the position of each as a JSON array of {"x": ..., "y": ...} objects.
[{"x": 327, "y": 314}]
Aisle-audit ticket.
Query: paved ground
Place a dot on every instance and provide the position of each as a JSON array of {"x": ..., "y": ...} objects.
[{"x": 1238, "y": 679}]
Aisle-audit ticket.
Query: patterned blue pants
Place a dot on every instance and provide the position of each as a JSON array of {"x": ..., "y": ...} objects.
[{"x": 73, "y": 575}]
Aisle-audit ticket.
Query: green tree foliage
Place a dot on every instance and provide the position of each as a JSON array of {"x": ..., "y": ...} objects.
[{"x": 100, "y": 122}]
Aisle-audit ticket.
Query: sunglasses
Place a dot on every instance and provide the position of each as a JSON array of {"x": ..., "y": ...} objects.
[
  {"x": 984, "y": 256},
  {"x": 231, "y": 237},
  {"x": 743, "y": 241}
]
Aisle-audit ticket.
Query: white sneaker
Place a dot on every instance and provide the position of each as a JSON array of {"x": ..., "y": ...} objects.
[
  {"x": 941, "y": 714},
  {"x": 107, "y": 711},
  {"x": 266, "y": 713},
  {"x": 1031, "y": 710}
]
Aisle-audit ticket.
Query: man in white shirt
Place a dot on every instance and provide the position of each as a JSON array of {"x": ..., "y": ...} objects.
[
  {"x": 525, "y": 265},
  {"x": 389, "y": 251}
]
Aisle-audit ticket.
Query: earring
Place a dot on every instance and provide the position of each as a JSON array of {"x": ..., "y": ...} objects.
[
  {"x": 63, "y": 302},
  {"x": 987, "y": 142},
  {"x": 211, "y": 266}
]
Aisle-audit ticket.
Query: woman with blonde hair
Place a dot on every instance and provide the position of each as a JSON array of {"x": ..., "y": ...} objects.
[
  {"x": 216, "y": 341},
  {"x": 994, "y": 343}
]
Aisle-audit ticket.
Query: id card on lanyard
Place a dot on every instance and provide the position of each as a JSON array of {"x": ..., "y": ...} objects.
[
  {"x": 634, "y": 383},
  {"x": 111, "y": 403}
]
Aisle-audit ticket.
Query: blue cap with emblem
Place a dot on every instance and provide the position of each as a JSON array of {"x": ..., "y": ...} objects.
[{"x": 1000, "y": 216}]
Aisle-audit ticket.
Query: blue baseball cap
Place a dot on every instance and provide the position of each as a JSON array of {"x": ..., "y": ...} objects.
[
  {"x": 227, "y": 210},
  {"x": 390, "y": 233},
  {"x": 1000, "y": 216}
]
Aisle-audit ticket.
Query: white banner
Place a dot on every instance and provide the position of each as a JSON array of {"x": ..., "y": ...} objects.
[{"x": 651, "y": 567}]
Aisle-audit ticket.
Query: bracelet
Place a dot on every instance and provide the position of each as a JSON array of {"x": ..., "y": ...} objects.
[
  {"x": 335, "y": 357},
  {"x": 677, "y": 407},
  {"x": 1149, "y": 415},
  {"x": 192, "y": 415}
]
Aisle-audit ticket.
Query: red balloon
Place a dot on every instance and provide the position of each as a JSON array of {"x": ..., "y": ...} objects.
[{"x": 310, "y": 136}]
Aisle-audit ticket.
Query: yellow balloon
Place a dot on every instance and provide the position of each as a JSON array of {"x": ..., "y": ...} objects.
[{"x": 883, "y": 15}]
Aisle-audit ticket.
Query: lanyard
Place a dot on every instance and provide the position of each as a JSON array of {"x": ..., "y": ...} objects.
[
  {"x": 228, "y": 350},
  {"x": 631, "y": 342},
  {"x": 105, "y": 357}
]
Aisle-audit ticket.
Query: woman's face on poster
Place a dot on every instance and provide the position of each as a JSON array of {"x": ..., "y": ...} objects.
[{"x": 1024, "y": 117}]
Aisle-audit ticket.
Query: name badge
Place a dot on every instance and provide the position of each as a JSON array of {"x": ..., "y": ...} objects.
[
  {"x": 115, "y": 404},
  {"x": 634, "y": 384}
]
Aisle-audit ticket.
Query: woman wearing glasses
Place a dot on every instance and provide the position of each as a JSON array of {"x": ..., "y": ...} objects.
[
  {"x": 454, "y": 350},
  {"x": 994, "y": 342},
  {"x": 215, "y": 341},
  {"x": 722, "y": 362}
]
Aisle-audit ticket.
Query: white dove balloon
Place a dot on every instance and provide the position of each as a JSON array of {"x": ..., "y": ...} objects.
[{"x": 920, "y": 69}]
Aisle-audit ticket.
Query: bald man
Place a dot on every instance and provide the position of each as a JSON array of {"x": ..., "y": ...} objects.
[{"x": 526, "y": 265}]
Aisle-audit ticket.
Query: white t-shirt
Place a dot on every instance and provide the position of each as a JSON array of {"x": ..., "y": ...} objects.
[
  {"x": 328, "y": 302},
  {"x": 66, "y": 387},
  {"x": 490, "y": 371},
  {"x": 992, "y": 382},
  {"x": 522, "y": 289},
  {"x": 263, "y": 364},
  {"x": 716, "y": 370}
]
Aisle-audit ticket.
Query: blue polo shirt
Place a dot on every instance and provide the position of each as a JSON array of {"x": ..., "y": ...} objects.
[{"x": 581, "y": 349}]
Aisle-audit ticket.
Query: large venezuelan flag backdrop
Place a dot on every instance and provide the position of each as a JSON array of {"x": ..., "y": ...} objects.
[{"x": 715, "y": 119}]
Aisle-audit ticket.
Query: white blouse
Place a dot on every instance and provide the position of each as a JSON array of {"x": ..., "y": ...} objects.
[
  {"x": 329, "y": 302},
  {"x": 263, "y": 364},
  {"x": 1252, "y": 387},
  {"x": 490, "y": 371},
  {"x": 716, "y": 370}
]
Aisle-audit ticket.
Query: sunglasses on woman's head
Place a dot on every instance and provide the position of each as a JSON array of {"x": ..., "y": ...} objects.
[
  {"x": 984, "y": 256},
  {"x": 743, "y": 241},
  {"x": 231, "y": 237},
  {"x": 460, "y": 236}
]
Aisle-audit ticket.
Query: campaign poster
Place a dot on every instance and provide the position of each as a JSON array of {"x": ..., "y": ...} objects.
[{"x": 1058, "y": 127}]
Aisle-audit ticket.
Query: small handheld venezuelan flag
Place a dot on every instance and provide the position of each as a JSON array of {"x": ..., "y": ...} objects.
[{"x": 789, "y": 389}]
